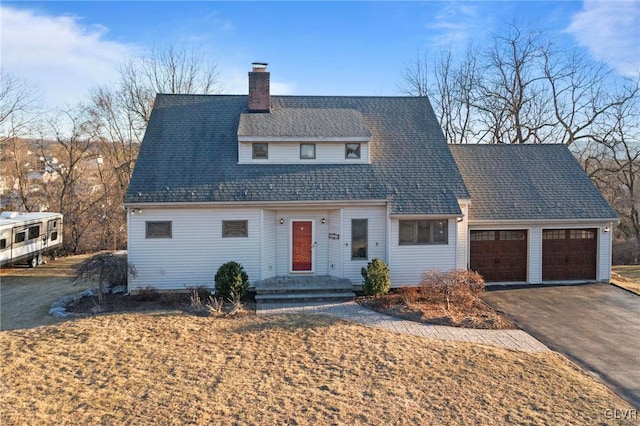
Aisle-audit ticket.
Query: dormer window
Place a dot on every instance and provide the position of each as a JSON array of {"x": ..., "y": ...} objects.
[
  {"x": 307, "y": 151},
  {"x": 260, "y": 151},
  {"x": 352, "y": 151}
]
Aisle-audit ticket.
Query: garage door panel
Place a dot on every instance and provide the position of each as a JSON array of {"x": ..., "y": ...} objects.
[
  {"x": 499, "y": 255},
  {"x": 569, "y": 254}
]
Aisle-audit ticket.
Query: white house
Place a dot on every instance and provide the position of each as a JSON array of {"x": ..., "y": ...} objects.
[{"x": 320, "y": 185}]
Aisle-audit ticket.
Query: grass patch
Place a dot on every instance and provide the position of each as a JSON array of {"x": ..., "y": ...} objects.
[
  {"x": 27, "y": 293},
  {"x": 627, "y": 276},
  {"x": 184, "y": 369}
]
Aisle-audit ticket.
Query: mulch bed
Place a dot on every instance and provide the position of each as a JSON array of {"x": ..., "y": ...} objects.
[
  {"x": 479, "y": 315},
  {"x": 153, "y": 302}
]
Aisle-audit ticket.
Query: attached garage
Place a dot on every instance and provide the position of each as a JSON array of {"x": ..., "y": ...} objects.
[
  {"x": 499, "y": 255},
  {"x": 569, "y": 254}
]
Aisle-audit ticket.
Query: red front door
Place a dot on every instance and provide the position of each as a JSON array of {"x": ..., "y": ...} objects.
[{"x": 301, "y": 245}]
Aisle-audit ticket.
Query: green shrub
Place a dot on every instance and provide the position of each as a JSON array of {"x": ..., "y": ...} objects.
[
  {"x": 231, "y": 281},
  {"x": 376, "y": 278}
]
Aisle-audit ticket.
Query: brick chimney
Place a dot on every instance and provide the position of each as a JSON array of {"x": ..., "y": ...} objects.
[{"x": 259, "y": 100}]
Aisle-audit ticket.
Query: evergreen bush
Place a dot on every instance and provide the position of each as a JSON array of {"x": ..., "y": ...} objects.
[
  {"x": 376, "y": 278},
  {"x": 231, "y": 281}
]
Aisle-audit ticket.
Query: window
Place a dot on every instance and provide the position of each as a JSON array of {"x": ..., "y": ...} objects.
[
  {"x": 20, "y": 237},
  {"x": 158, "y": 229},
  {"x": 352, "y": 151},
  {"x": 307, "y": 151},
  {"x": 54, "y": 235},
  {"x": 34, "y": 232},
  {"x": 413, "y": 232},
  {"x": 512, "y": 235},
  {"x": 553, "y": 235},
  {"x": 260, "y": 151},
  {"x": 55, "y": 224},
  {"x": 359, "y": 231},
  {"x": 3, "y": 243},
  {"x": 582, "y": 234},
  {"x": 235, "y": 228},
  {"x": 483, "y": 235}
]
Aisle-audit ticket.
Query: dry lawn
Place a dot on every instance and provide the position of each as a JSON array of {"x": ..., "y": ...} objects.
[
  {"x": 180, "y": 369},
  {"x": 26, "y": 294},
  {"x": 627, "y": 276}
]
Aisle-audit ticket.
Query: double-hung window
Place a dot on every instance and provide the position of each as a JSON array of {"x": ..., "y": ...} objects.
[
  {"x": 307, "y": 151},
  {"x": 260, "y": 151}
]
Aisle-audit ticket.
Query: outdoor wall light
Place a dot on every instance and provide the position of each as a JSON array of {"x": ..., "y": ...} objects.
[
  {"x": 323, "y": 221},
  {"x": 606, "y": 229},
  {"x": 281, "y": 221},
  {"x": 136, "y": 210}
]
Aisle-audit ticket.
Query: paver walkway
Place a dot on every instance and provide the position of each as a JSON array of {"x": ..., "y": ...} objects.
[{"x": 352, "y": 311}]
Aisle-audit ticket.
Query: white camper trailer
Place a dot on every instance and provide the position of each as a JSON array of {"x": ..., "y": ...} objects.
[{"x": 27, "y": 237}]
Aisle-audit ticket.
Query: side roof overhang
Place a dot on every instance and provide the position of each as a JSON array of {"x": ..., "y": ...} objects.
[{"x": 528, "y": 183}]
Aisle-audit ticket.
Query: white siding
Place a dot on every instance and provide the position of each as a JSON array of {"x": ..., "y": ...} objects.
[
  {"x": 196, "y": 250},
  {"x": 461, "y": 238},
  {"x": 335, "y": 245},
  {"x": 283, "y": 239},
  {"x": 377, "y": 232},
  {"x": 411, "y": 261},
  {"x": 604, "y": 253},
  {"x": 289, "y": 153},
  {"x": 269, "y": 226},
  {"x": 534, "y": 270}
]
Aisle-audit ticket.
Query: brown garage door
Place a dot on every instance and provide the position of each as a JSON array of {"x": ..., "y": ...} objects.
[
  {"x": 499, "y": 255},
  {"x": 569, "y": 254}
]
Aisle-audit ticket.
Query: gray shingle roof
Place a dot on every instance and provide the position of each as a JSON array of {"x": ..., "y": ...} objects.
[
  {"x": 304, "y": 122},
  {"x": 190, "y": 154},
  {"x": 528, "y": 182}
]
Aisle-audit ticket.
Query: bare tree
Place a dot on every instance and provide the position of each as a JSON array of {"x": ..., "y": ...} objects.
[
  {"x": 526, "y": 89},
  {"x": 119, "y": 117},
  {"x": 72, "y": 157},
  {"x": 19, "y": 105},
  {"x": 416, "y": 77},
  {"x": 17, "y": 98}
]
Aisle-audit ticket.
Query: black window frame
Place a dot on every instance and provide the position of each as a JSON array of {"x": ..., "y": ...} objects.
[
  {"x": 3, "y": 243},
  {"x": 33, "y": 235},
  {"x": 226, "y": 232},
  {"x": 357, "y": 150},
  {"x": 24, "y": 237},
  {"x": 155, "y": 234},
  {"x": 314, "y": 151},
  {"x": 253, "y": 151},
  {"x": 432, "y": 223},
  {"x": 357, "y": 255}
]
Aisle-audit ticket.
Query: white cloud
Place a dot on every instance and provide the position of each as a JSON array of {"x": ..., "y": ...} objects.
[
  {"x": 59, "y": 54},
  {"x": 455, "y": 25},
  {"x": 610, "y": 30}
]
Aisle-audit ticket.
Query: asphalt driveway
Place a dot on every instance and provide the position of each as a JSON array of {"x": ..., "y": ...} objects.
[{"x": 596, "y": 325}]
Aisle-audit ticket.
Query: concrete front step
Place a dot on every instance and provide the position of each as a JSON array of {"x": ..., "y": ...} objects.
[
  {"x": 303, "y": 290},
  {"x": 298, "y": 297}
]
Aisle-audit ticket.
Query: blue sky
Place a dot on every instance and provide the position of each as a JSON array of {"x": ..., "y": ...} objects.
[{"x": 313, "y": 48}]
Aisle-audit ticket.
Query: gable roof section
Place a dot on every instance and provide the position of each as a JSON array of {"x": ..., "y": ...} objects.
[
  {"x": 190, "y": 154},
  {"x": 316, "y": 123},
  {"x": 528, "y": 182}
]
